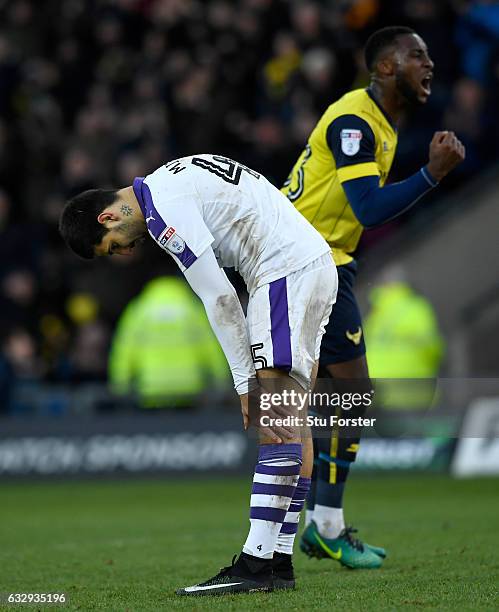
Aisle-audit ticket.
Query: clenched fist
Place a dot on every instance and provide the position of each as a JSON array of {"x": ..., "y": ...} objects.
[{"x": 446, "y": 152}]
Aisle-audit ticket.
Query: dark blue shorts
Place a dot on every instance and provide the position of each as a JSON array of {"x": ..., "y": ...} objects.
[{"x": 344, "y": 337}]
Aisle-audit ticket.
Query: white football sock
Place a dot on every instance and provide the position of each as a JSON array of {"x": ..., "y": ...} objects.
[
  {"x": 274, "y": 484},
  {"x": 289, "y": 528},
  {"x": 330, "y": 521}
]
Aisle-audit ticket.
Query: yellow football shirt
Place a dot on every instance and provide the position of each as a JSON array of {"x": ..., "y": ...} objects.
[{"x": 354, "y": 138}]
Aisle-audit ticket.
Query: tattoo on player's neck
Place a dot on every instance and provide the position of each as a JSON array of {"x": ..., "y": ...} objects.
[{"x": 126, "y": 210}]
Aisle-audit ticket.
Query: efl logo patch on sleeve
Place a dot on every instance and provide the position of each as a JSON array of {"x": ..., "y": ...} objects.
[
  {"x": 171, "y": 241},
  {"x": 176, "y": 244},
  {"x": 165, "y": 235},
  {"x": 350, "y": 141}
]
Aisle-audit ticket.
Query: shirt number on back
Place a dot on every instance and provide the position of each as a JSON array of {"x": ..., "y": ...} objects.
[{"x": 227, "y": 169}]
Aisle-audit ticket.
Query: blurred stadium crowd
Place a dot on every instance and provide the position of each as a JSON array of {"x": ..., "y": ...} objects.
[{"x": 95, "y": 92}]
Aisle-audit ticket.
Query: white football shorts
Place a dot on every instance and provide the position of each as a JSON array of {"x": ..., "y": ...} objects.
[{"x": 287, "y": 319}]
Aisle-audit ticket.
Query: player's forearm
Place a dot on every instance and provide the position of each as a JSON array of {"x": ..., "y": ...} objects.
[
  {"x": 226, "y": 317},
  {"x": 227, "y": 320},
  {"x": 374, "y": 205}
]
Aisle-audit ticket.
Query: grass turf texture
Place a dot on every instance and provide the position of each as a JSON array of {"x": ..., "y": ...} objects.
[{"x": 128, "y": 545}]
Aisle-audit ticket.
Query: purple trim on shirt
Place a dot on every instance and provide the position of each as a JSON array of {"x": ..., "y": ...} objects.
[
  {"x": 279, "y": 325},
  {"x": 187, "y": 257},
  {"x": 155, "y": 223},
  {"x": 137, "y": 189}
]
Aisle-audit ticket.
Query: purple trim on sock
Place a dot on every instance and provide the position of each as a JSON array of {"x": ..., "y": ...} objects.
[
  {"x": 276, "y": 515},
  {"x": 273, "y": 489},
  {"x": 296, "y": 504},
  {"x": 302, "y": 487},
  {"x": 279, "y": 325},
  {"x": 300, "y": 494},
  {"x": 273, "y": 470},
  {"x": 280, "y": 451},
  {"x": 289, "y": 528}
]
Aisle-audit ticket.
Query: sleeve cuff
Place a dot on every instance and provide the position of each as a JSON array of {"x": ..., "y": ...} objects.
[
  {"x": 247, "y": 386},
  {"x": 428, "y": 177}
]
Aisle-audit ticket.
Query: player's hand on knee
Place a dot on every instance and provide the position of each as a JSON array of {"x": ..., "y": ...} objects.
[
  {"x": 272, "y": 424},
  {"x": 446, "y": 152},
  {"x": 268, "y": 417},
  {"x": 276, "y": 434}
]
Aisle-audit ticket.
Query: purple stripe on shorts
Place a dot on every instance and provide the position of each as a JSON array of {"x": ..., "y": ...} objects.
[
  {"x": 268, "y": 514},
  {"x": 278, "y": 470},
  {"x": 279, "y": 323},
  {"x": 273, "y": 489},
  {"x": 289, "y": 528}
]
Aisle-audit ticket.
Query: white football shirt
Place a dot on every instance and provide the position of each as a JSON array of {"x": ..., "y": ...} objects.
[{"x": 205, "y": 200}]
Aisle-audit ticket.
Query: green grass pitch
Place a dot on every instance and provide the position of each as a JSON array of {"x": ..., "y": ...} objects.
[{"x": 128, "y": 545}]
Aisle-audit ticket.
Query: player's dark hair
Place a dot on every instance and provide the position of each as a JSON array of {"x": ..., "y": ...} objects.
[
  {"x": 380, "y": 40},
  {"x": 78, "y": 224}
]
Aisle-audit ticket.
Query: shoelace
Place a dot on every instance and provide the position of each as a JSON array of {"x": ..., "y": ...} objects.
[
  {"x": 223, "y": 572},
  {"x": 354, "y": 542}
]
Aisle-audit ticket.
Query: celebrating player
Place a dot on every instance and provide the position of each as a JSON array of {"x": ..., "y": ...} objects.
[
  {"x": 338, "y": 185},
  {"x": 208, "y": 211}
]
